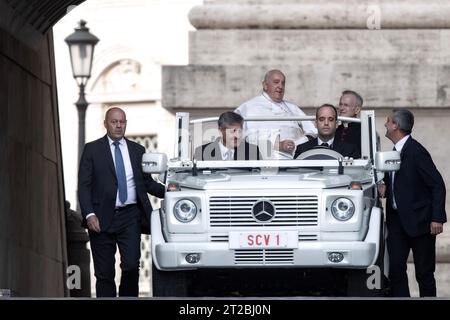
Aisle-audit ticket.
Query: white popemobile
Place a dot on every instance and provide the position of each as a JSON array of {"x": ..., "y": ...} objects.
[{"x": 318, "y": 211}]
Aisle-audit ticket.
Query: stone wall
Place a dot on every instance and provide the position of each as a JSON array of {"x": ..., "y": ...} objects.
[{"x": 32, "y": 229}]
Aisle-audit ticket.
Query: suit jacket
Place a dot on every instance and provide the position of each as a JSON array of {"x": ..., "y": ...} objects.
[
  {"x": 97, "y": 182},
  {"x": 211, "y": 151},
  {"x": 353, "y": 134},
  {"x": 344, "y": 148},
  {"x": 419, "y": 191}
]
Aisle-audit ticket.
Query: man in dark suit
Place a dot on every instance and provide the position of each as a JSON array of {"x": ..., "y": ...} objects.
[
  {"x": 326, "y": 116},
  {"x": 415, "y": 208},
  {"x": 112, "y": 191},
  {"x": 230, "y": 145},
  {"x": 350, "y": 105}
]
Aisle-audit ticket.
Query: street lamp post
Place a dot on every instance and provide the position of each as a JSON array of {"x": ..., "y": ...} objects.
[
  {"x": 81, "y": 105},
  {"x": 81, "y": 47}
]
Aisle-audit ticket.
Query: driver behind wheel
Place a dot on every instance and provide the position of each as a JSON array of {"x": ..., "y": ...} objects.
[{"x": 326, "y": 116}]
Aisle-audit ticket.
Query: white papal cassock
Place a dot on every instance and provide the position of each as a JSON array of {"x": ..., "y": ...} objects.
[{"x": 258, "y": 131}]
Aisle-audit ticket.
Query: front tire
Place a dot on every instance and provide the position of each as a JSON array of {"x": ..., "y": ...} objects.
[{"x": 169, "y": 283}]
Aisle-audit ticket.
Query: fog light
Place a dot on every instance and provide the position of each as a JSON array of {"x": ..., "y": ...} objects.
[
  {"x": 335, "y": 257},
  {"x": 193, "y": 257}
]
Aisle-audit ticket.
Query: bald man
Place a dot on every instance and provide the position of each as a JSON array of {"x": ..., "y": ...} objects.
[{"x": 112, "y": 190}]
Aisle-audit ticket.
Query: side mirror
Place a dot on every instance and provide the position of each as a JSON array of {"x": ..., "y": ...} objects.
[
  {"x": 154, "y": 163},
  {"x": 387, "y": 161}
]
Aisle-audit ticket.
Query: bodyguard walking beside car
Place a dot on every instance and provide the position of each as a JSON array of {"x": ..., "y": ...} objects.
[
  {"x": 112, "y": 191},
  {"x": 415, "y": 208}
]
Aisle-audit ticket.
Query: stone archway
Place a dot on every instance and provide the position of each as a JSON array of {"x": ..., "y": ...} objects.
[{"x": 33, "y": 257}]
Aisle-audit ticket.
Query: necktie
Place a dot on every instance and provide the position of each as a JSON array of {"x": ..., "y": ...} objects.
[
  {"x": 344, "y": 133},
  {"x": 324, "y": 144},
  {"x": 120, "y": 172}
]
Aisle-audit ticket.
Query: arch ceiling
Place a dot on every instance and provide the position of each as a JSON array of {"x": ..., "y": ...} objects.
[{"x": 40, "y": 14}]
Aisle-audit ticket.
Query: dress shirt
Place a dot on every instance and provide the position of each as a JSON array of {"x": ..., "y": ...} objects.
[
  {"x": 224, "y": 151},
  {"x": 329, "y": 142},
  {"x": 131, "y": 187},
  {"x": 398, "y": 146}
]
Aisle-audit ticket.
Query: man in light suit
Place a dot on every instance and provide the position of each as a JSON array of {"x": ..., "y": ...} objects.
[
  {"x": 112, "y": 191},
  {"x": 415, "y": 208},
  {"x": 230, "y": 145},
  {"x": 326, "y": 117}
]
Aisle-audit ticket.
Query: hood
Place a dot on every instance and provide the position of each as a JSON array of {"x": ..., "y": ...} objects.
[{"x": 234, "y": 181}]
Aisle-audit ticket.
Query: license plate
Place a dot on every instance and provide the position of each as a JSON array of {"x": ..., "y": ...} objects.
[{"x": 263, "y": 240}]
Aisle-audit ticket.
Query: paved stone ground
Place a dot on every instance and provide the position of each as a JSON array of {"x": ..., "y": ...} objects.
[
  {"x": 442, "y": 280},
  {"x": 442, "y": 275}
]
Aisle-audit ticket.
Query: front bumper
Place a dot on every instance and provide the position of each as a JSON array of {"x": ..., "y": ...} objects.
[{"x": 314, "y": 254}]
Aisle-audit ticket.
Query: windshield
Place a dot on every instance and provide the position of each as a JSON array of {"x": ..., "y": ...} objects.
[{"x": 274, "y": 138}]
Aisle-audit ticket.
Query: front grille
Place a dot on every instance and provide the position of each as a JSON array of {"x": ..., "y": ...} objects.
[
  {"x": 236, "y": 211},
  {"x": 264, "y": 257}
]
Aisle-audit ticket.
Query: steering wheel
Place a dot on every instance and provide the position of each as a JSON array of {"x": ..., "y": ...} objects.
[
  {"x": 280, "y": 155},
  {"x": 320, "y": 153}
]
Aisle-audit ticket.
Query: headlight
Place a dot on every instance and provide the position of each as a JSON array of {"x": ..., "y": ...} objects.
[
  {"x": 342, "y": 209},
  {"x": 185, "y": 210}
]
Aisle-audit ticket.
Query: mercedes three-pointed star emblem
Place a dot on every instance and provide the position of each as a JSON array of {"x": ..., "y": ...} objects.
[{"x": 263, "y": 211}]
